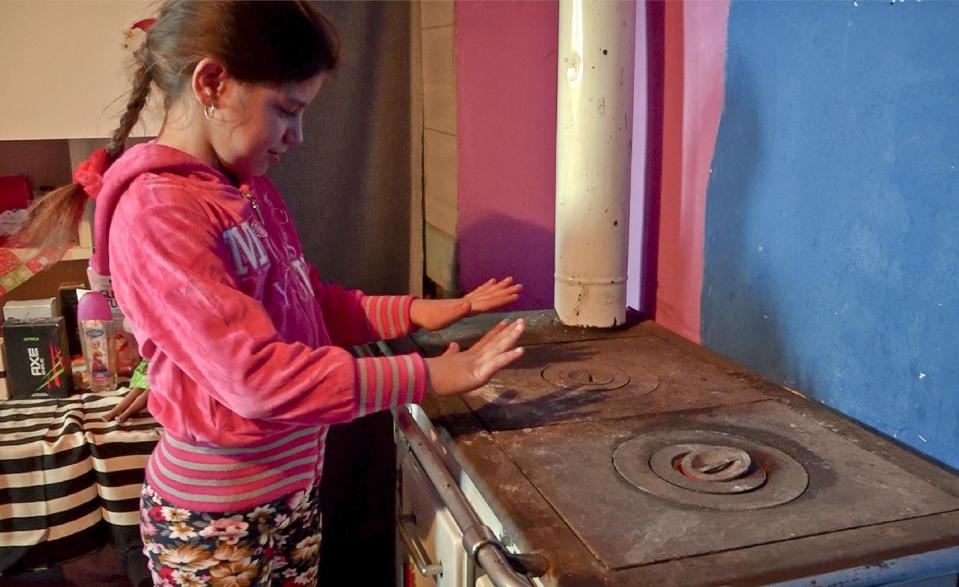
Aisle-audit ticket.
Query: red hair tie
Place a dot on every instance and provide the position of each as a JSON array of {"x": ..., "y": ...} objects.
[
  {"x": 144, "y": 24},
  {"x": 89, "y": 174}
]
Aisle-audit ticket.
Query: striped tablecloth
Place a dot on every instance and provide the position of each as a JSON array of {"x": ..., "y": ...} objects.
[{"x": 69, "y": 482}]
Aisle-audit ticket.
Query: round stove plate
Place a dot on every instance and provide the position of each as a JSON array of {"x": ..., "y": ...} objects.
[
  {"x": 785, "y": 478},
  {"x": 595, "y": 376}
]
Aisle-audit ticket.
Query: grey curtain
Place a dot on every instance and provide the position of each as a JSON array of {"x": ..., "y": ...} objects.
[{"x": 348, "y": 185}]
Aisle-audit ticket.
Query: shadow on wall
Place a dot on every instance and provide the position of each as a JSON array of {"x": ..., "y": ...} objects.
[
  {"x": 498, "y": 243},
  {"x": 741, "y": 322},
  {"x": 653, "y": 169}
]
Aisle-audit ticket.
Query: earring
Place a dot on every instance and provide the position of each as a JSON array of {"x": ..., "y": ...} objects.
[{"x": 208, "y": 111}]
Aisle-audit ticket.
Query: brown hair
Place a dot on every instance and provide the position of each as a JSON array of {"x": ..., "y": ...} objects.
[{"x": 258, "y": 42}]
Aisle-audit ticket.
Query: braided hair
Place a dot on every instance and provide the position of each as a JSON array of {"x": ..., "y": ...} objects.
[{"x": 131, "y": 114}]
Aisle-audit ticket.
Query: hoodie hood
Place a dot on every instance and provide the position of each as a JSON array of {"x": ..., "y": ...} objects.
[{"x": 145, "y": 158}]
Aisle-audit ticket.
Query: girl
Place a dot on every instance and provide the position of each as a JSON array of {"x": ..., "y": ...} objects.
[{"x": 247, "y": 365}]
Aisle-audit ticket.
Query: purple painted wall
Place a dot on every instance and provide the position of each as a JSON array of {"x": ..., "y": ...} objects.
[{"x": 506, "y": 116}]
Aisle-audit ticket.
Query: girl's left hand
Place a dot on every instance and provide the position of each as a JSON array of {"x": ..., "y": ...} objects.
[
  {"x": 133, "y": 402},
  {"x": 437, "y": 314}
]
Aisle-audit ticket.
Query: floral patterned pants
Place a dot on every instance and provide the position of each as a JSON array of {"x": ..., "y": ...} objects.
[{"x": 272, "y": 545}]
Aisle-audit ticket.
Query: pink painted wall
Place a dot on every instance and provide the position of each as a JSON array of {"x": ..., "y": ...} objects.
[
  {"x": 506, "y": 101},
  {"x": 694, "y": 53}
]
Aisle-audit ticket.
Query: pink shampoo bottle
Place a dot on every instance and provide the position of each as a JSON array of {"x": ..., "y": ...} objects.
[{"x": 98, "y": 342}]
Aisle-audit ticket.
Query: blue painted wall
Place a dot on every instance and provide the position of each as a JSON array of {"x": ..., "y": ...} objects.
[{"x": 832, "y": 225}]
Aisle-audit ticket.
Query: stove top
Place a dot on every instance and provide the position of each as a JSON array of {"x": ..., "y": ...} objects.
[
  {"x": 647, "y": 489},
  {"x": 602, "y": 379},
  {"x": 656, "y": 457}
]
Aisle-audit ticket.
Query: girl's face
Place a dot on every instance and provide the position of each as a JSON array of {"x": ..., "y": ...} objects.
[{"x": 260, "y": 123}]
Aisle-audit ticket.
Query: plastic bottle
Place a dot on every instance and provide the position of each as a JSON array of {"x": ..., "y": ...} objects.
[
  {"x": 98, "y": 341},
  {"x": 128, "y": 355}
]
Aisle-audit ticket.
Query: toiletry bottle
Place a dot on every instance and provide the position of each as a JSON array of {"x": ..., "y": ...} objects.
[
  {"x": 98, "y": 341},
  {"x": 128, "y": 355}
]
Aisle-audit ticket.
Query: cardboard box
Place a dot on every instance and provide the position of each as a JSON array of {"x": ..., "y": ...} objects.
[
  {"x": 31, "y": 309},
  {"x": 37, "y": 361}
]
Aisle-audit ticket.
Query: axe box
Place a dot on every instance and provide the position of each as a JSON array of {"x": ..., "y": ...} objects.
[{"x": 37, "y": 361}]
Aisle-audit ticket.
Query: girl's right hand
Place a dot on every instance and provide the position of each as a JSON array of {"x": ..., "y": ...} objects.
[{"x": 457, "y": 372}]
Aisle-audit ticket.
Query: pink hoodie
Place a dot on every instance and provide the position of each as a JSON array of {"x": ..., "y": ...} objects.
[{"x": 247, "y": 367}]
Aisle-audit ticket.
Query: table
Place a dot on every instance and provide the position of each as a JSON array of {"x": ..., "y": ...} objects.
[{"x": 69, "y": 482}]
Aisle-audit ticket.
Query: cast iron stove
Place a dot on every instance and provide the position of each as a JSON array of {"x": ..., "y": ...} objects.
[{"x": 661, "y": 459}]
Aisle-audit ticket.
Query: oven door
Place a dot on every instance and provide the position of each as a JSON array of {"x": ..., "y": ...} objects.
[{"x": 432, "y": 544}]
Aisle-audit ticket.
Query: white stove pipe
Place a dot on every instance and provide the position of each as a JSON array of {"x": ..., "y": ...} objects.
[{"x": 594, "y": 125}]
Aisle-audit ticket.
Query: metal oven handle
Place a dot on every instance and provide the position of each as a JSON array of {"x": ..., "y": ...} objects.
[
  {"x": 478, "y": 539},
  {"x": 421, "y": 560}
]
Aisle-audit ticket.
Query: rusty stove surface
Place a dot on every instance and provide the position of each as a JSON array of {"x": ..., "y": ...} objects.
[{"x": 654, "y": 453}]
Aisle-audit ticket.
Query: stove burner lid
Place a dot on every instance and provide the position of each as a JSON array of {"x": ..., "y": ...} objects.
[
  {"x": 706, "y": 468},
  {"x": 593, "y": 376},
  {"x": 710, "y": 469}
]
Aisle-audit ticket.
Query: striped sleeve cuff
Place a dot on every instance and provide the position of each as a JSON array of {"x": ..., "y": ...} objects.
[
  {"x": 386, "y": 382},
  {"x": 389, "y": 315}
]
